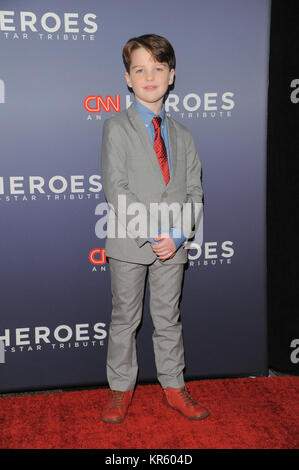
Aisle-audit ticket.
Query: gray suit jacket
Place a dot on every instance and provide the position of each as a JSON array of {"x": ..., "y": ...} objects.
[{"x": 130, "y": 168}]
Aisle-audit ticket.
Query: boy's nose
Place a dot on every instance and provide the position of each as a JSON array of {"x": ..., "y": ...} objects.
[{"x": 149, "y": 76}]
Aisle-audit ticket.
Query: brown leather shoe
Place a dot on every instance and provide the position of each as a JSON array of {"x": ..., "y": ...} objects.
[
  {"x": 181, "y": 400},
  {"x": 115, "y": 409}
]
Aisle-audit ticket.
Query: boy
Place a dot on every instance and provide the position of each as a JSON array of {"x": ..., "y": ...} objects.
[{"x": 147, "y": 159}]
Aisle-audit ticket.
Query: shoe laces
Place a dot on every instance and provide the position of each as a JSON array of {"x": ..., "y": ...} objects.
[
  {"x": 185, "y": 394},
  {"x": 117, "y": 398}
]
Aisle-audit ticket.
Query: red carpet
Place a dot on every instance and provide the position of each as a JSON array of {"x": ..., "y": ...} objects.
[{"x": 261, "y": 413}]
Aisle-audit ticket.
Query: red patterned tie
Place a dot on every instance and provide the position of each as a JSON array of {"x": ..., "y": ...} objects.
[{"x": 160, "y": 149}]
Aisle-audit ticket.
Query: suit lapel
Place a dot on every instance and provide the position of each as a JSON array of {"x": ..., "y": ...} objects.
[{"x": 147, "y": 147}]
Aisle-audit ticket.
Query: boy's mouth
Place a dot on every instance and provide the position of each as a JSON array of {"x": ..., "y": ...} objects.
[{"x": 150, "y": 87}]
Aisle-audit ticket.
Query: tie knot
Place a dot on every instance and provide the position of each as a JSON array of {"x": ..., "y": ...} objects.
[{"x": 157, "y": 122}]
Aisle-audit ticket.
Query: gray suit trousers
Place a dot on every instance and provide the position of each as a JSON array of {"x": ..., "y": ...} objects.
[{"x": 127, "y": 285}]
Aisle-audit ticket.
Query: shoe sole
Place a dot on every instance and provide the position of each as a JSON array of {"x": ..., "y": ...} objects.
[
  {"x": 113, "y": 421},
  {"x": 205, "y": 415}
]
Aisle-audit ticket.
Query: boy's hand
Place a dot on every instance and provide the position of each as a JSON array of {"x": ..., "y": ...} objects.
[{"x": 166, "y": 248}]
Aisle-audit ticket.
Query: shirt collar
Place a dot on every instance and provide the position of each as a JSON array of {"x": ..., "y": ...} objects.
[{"x": 146, "y": 114}]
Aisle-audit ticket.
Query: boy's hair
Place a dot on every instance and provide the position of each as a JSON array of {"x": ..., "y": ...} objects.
[{"x": 159, "y": 47}]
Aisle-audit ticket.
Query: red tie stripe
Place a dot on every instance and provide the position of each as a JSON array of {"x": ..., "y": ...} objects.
[{"x": 160, "y": 148}]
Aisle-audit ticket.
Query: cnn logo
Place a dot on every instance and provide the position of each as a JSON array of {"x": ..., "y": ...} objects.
[
  {"x": 94, "y": 104},
  {"x": 93, "y": 256}
]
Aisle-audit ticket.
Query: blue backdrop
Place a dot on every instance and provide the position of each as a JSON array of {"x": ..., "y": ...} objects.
[{"x": 55, "y": 289}]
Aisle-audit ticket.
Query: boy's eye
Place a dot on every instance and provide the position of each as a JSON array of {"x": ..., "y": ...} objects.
[{"x": 139, "y": 70}]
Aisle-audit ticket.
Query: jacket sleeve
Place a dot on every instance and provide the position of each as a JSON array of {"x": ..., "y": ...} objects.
[{"x": 195, "y": 197}]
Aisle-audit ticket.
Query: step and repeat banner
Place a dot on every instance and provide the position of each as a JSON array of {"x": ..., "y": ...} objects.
[
  {"x": 282, "y": 189},
  {"x": 61, "y": 76}
]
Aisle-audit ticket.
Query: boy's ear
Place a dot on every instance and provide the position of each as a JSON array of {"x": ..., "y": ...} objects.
[
  {"x": 128, "y": 80},
  {"x": 171, "y": 77}
]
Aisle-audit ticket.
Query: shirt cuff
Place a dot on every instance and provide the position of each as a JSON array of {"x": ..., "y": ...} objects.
[{"x": 175, "y": 233}]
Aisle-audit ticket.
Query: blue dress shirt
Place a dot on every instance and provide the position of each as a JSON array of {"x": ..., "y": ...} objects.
[{"x": 147, "y": 115}]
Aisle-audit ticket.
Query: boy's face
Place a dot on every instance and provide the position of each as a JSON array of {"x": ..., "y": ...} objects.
[{"x": 149, "y": 79}]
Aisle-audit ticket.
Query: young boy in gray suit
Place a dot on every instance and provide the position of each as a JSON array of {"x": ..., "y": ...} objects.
[{"x": 149, "y": 161}]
